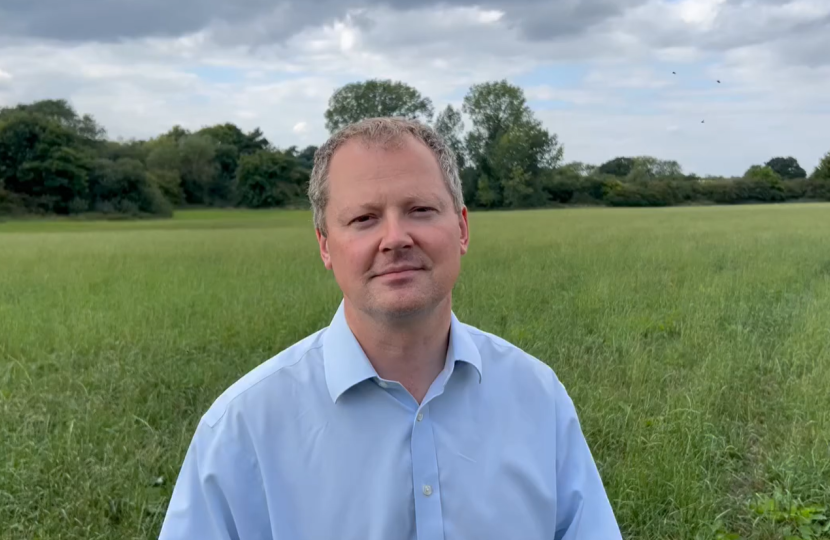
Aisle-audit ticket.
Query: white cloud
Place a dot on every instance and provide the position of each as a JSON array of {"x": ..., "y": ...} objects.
[
  {"x": 701, "y": 13},
  {"x": 300, "y": 127},
  {"x": 347, "y": 39},
  {"x": 806, "y": 10},
  {"x": 771, "y": 57},
  {"x": 491, "y": 16}
]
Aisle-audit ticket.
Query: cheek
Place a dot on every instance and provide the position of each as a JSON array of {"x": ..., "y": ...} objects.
[
  {"x": 351, "y": 256},
  {"x": 444, "y": 249}
]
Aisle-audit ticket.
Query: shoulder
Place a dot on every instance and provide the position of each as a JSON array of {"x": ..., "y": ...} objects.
[
  {"x": 508, "y": 363},
  {"x": 276, "y": 379}
]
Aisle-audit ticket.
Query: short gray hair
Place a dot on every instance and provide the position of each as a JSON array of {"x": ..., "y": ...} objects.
[{"x": 386, "y": 132}]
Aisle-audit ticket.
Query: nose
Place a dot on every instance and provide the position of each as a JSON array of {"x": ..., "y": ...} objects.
[{"x": 395, "y": 234}]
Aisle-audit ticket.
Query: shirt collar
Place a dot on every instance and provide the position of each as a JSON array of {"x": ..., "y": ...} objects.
[{"x": 347, "y": 365}]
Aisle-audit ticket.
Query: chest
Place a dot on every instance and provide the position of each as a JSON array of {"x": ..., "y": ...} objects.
[{"x": 441, "y": 471}]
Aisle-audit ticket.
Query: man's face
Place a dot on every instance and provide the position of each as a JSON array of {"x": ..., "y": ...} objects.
[{"x": 394, "y": 241}]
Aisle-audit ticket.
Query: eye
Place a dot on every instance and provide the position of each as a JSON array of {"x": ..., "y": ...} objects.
[
  {"x": 423, "y": 209},
  {"x": 362, "y": 219}
]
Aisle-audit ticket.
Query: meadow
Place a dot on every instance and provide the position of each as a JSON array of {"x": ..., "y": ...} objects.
[{"x": 695, "y": 343}]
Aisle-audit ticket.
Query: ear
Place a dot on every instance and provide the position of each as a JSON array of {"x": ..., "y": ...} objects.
[
  {"x": 323, "y": 241},
  {"x": 465, "y": 230}
]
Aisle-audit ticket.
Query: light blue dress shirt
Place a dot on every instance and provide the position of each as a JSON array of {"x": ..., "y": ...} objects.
[{"x": 313, "y": 445}]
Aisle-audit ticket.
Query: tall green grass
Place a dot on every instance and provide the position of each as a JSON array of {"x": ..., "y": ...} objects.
[{"x": 695, "y": 343}]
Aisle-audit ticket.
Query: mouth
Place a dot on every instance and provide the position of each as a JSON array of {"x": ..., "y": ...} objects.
[{"x": 399, "y": 272}]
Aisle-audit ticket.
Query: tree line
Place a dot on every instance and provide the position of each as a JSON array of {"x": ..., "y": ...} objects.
[{"x": 54, "y": 160}]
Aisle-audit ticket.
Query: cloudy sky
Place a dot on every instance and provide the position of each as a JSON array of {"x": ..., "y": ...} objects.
[{"x": 597, "y": 72}]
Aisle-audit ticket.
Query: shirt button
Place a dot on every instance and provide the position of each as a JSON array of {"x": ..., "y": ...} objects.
[
  {"x": 383, "y": 384},
  {"x": 419, "y": 417},
  {"x": 427, "y": 490}
]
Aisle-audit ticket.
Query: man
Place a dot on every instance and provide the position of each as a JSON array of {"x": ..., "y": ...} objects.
[{"x": 396, "y": 421}]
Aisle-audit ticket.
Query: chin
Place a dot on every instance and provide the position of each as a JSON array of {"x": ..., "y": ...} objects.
[{"x": 402, "y": 306}]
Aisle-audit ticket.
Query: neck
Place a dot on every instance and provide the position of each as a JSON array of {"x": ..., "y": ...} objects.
[{"x": 411, "y": 351}]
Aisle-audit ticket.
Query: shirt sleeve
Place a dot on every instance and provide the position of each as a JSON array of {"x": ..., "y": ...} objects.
[
  {"x": 218, "y": 494},
  {"x": 583, "y": 511}
]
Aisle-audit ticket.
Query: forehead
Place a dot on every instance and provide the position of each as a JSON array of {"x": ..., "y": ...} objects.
[{"x": 360, "y": 170}]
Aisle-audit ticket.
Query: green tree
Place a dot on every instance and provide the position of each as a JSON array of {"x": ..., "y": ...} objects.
[
  {"x": 580, "y": 169},
  {"x": 198, "y": 168},
  {"x": 229, "y": 134},
  {"x": 787, "y": 168},
  {"x": 268, "y": 179},
  {"x": 619, "y": 166},
  {"x": 668, "y": 169},
  {"x": 43, "y": 161},
  {"x": 164, "y": 168},
  {"x": 507, "y": 146},
  {"x": 58, "y": 182},
  {"x": 124, "y": 186},
  {"x": 450, "y": 126},
  {"x": 644, "y": 169},
  {"x": 520, "y": 190},
  {"x": 373, "y": 98},
  {"x": 176, "y": 134},
  {"x": 231, "y": 143},
  {"x": 519, "y": 157},
  {"x": 133, "y": 149},
  {"x": 61, "y": 112},
  {"x": 494, "y": 108},
  {"x": 761, "y": 172},
  {"x": 818, "y": 186},
  {"x": 306, "y": 157},
  {"x": 561, "y": 184},
  {"x": 469, "y": 184},
  {"x": 486, "y": 194},
  {"x": 220, "y": 191},
  {"x": 760, "y": 183},
  {"x": 822, "y": 171}
]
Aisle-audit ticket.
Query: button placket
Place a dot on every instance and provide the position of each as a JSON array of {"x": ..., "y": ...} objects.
[{"x": 428, "y": 513}]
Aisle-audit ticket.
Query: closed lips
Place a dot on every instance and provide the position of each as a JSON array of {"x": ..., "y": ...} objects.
[{"x": 397, "y": 269}]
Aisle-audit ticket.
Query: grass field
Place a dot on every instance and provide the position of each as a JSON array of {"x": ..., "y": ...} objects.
[{"x": 695, "y": 343}]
